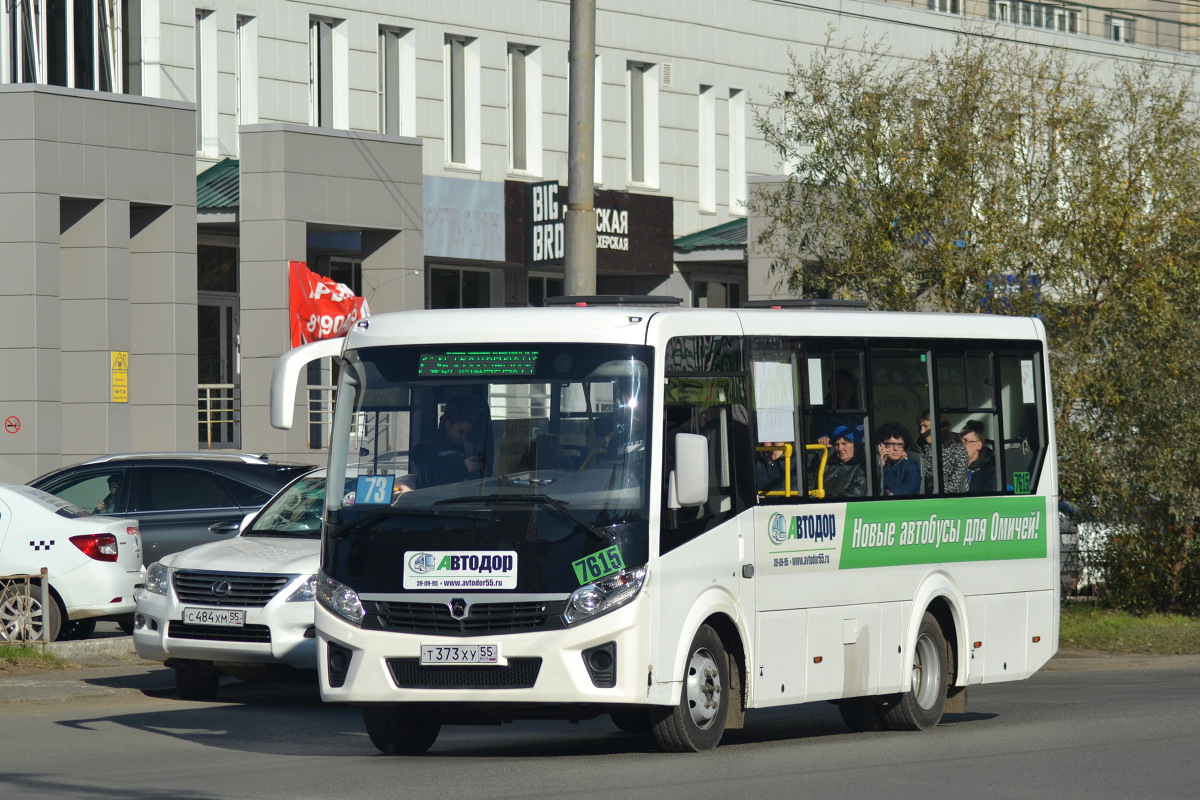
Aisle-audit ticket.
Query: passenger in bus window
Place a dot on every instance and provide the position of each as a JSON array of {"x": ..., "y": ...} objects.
[
  {"x": 901, "y": 475},
  {"x": 834, "y": 415},
  {"x": 449, "y": 456},
  {"x": 845, "y": 475},
  {"x": 951, "y": 451},
  {"x": 981, "y": 464},
  {"x": 769, "y": 468}
]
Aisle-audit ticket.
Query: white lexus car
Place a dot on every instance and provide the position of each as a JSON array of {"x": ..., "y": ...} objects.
[
  {"x": 242, "y": 607},
  {"x": 93, "y": 567}
]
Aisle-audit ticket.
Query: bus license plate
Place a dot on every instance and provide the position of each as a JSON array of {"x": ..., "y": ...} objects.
[
  {"x": 223, "y": 617},
  {"x": 460, "y": 654}
]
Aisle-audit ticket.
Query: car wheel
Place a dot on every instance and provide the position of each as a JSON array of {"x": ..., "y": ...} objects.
[
  {"x": 697, "y": 722},
  {"x": 398, "y": 731},
  {"x": 126, "y": 626},
  {"x": 196, "y": 683},
  {"x": 22, "y": 618},
  {"x": 75, "y": 629}
]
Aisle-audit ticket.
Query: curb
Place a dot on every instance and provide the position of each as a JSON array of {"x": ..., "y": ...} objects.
[{"x": 89, "y": 648}]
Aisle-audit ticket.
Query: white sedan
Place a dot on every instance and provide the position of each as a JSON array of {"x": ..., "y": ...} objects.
[
  {"x": 242, "y": 607},
  {"x": 93, "y": 566}
]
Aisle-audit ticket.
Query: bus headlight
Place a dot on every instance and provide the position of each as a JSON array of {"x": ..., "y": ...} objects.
[
  {"x": 339, "y": 598},
  {"x": 599, "y": 597}
]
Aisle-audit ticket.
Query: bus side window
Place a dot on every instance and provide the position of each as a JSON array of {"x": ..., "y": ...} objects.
[
  {"x": 900, "y": 381},
  {"x": 1023, "y": 420},
  {"x": 705, "y": 409}
]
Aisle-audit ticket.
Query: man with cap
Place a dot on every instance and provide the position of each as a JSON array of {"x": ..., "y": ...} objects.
[{"x": 845, "y": 475}]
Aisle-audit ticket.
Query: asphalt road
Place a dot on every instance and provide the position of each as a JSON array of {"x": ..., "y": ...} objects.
[{"x": 1085, "y": 728}]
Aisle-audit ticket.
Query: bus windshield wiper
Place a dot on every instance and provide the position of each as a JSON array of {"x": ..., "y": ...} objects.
[{"x": 537, "y": 499}]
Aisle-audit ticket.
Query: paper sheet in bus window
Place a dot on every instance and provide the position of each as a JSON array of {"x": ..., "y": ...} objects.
[
  {"x": 775, "y": 401},
  {"x": 816, "y": 390},
  {"x": 1027, "y": 393}
]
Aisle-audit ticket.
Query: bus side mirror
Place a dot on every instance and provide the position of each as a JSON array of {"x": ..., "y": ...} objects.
[
  {"x": 688, "y": 483},
  {"x": 286, "y": 377}
]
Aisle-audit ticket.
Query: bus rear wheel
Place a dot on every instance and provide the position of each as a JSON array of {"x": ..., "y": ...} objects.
[
  {"x": 920, "y": 708},
  {"x": 697, "y": 722},
  {"x": 399, "y": 731}
]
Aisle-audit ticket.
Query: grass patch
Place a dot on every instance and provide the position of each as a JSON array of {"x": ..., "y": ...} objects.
[
  {"x": 1091, "y": 628},
  {"x": 16, "y": 658}
]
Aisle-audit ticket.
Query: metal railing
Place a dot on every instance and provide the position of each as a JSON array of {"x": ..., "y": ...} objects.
[
  {"x": 24, "y": 600},
  {"x": 216, "y": 405}
]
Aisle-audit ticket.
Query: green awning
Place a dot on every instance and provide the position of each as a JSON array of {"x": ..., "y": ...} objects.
[
  {"x": 729, "y": 234},
  {"x": 218, "y": 186}
]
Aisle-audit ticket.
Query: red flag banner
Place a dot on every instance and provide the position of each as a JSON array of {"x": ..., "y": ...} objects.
[{"x": 321, "y": 308}]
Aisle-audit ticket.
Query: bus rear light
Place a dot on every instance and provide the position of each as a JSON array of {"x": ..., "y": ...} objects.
[{"x": 97, "y": 546}]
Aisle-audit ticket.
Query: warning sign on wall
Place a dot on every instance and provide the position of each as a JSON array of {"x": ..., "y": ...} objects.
[{"x": 120, "y": 376}]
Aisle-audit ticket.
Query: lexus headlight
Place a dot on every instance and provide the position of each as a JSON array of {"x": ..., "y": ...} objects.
[
  {"x": 158, "y": 578},
  {"x": 305, "y": 592},
  {"x": 599, "y": 597},
  {"x": 339, "y": 598}
]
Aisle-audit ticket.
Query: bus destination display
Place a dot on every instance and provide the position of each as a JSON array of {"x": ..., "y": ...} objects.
[{"x": 478, "y": 362}]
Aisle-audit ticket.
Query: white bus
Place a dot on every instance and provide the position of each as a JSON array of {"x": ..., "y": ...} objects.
[{"x": 574, "y": 511}]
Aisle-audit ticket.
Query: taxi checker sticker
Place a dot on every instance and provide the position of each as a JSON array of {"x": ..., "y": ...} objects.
[{"x": 453, "y": 569}]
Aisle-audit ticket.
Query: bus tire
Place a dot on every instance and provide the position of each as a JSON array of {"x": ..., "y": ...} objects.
[
  {"x": 398, "y": 731},
  {"x": 697, "y": 722},
  {"x": 862, "y": 714},
  {"x": 196, "y": 683},
  {"x": 920, "y": 708}
]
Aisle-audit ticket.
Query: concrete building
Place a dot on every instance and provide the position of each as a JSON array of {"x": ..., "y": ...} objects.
[{"x": 161, "y": 162}]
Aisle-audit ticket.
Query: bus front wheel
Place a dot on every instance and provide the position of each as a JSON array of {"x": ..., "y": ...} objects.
[
  {"x": 697, "y": 722},
  {"x": 399, "y": 731},
  {"x": 920, "y": 708}
]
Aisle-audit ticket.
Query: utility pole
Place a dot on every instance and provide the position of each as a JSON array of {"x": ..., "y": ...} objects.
[{"x": 579, "y": 272}]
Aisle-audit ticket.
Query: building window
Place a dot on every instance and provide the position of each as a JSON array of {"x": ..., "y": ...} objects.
[
  {"x": 944, "y": 6},
  {"x": 706, "y": 157},
  {"x": 543, "y": 286},
  {"x": 642, "y": 110},
  {"x": 397, "y": 82},
  {"x": 74, "y": 43},
  {"x": 131, "y": 46},
  {"x": 205, "y": 71},
  {"x": 737, "y": 151},
  {"x": 328, "y": 60},
  {"x": 247, "y": 74},
  {"x": 716, "y": 294},
  {"x": 462, "y": 102},
  {"x": 459, "y": 288},
  {"x": 1000, "y": 10},
  {"x": 1120, "y": 29},
  {"x": 524, "y": 110}
]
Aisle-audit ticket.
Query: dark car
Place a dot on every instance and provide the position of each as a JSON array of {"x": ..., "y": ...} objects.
[{"x": 180, "y": 499}]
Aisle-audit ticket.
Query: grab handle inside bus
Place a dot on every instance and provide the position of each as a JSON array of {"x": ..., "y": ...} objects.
[{"x": 688, "y": 483}]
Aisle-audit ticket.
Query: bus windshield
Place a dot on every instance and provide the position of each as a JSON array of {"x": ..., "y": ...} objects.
[{"x": 492, "y": 445}]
